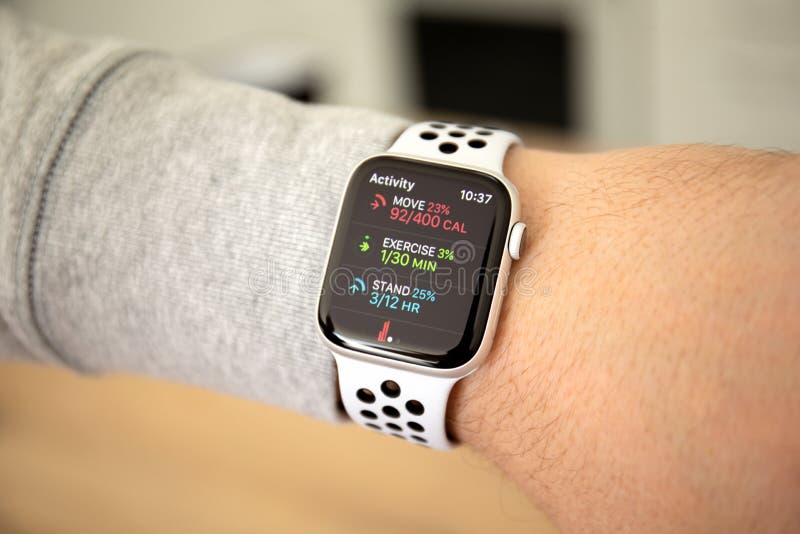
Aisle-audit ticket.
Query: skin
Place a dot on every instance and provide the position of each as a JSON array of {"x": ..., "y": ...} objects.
[{"x": 645, "y": 373}]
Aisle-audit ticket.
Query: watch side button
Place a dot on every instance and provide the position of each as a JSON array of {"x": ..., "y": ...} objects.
[{"x": 516, "y": 241}]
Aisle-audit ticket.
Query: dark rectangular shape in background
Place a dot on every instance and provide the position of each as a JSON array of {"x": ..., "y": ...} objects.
[{"x": 503, "y": 68}]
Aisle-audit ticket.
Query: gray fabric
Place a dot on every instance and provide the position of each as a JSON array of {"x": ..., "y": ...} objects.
[
  {"x": 9, "y": 346},
  {"x": 156, "y": 221}
]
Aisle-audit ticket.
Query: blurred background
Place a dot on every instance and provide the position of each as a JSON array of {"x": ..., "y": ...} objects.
[
  {"x": 126, "y": 454},
  {"x": 608, "y": 72}
]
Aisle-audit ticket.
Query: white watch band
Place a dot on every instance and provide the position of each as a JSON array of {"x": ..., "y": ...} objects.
[
  {"x": 465, "y": 145},
  {"x": 400, "y": 403},
  {"x": 403, "y": 403}
]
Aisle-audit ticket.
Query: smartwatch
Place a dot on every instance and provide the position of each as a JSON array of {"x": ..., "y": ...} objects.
[{"x": 418, "y": 266}]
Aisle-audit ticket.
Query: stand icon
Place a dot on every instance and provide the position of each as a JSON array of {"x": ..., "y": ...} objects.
[{"x": 358, "y": 286}]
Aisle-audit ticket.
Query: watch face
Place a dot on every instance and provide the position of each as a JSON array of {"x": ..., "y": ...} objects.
[{"x": 415, "y": 261}]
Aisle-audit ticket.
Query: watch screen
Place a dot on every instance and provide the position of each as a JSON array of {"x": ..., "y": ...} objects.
[{"x": 414, "y": 261}]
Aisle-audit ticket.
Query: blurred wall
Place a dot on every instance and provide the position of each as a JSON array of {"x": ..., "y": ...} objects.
[
  {"x": 727, "y": 72},
  {"x": 646, "y": 71}
]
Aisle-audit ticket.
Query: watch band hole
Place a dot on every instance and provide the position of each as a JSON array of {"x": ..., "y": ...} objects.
[
  {"x": 368, "y": 414},
  {"x": 373, "y": 426},
  {"x": 365, "y": 395},
  {"x": 465, "y": 126},
  {"x": 448, "y": 148},
  {"x": 456, "y": 133},
  {"x": 415, "y": 407},
  {"x": 437, "y": 125},
  {"x": 483, "y": 132},
  {"x": 401, "y": 436},
  {"x": 476, "y": 143},
  {"x": 391, "y": 389},
  {"x": 419, "y": 438},
  {"x": 394, "y": 427},
  {"x": 429, "y": 135},
  {"x": 413, "y": 425},
  {"x": 391, "y": 411}
]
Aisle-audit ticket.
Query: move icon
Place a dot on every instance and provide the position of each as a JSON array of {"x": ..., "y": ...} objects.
[{"x": 378, "y": 202}]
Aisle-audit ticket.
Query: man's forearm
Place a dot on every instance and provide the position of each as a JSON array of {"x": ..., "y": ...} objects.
[{"x": 645, "y": 373}]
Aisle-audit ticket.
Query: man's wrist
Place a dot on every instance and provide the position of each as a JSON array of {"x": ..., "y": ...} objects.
[
  {"x": 485, "y": 406},
  {"x": 647, "y": 341}
]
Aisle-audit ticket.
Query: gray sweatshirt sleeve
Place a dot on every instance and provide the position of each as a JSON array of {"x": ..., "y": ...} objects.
[{"x": 156, "y": 221}]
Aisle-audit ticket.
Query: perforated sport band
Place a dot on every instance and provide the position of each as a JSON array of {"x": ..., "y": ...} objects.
[
  {"x": 465, "y": 145},
  {"x": 403, "y": 403},
  {"x": 400, "y": 403}
]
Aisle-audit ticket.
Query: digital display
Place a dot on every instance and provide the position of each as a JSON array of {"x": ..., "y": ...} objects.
[{"x": 415, "y": 261}]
